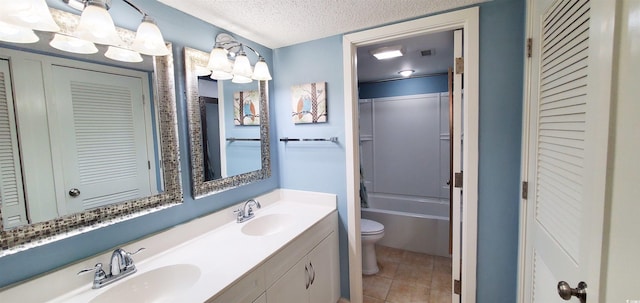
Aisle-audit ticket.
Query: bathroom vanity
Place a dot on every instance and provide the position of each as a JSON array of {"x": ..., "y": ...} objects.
[{"x": 287, "y": 253}]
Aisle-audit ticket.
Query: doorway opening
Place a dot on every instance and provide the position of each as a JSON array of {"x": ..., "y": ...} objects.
[
  {"x": 464, "y": 234},
  {"x": 405, "y": 145}
]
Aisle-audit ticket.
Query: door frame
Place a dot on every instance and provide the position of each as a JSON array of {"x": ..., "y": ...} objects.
[
  {"x": 468, "y": 20},
  {"x": 604, "y": 20}
]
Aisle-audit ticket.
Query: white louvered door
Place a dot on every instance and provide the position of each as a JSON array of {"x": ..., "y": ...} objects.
[
  {"x": 105, "y": 154},
  {"x": 11, "y": 191},
  {"x": 567, "y": 152}
]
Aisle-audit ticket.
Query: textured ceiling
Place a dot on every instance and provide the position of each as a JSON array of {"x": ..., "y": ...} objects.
[{"x": 279, "y": 23}]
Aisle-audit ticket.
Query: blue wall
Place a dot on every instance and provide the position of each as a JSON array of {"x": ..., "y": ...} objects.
[
  {"x": 315, "y": 166},
  {"x": 182, "y": 30},
  {"x": 404, "y": 87},
  {"x": 502, "y": 28},
  {"x": 321, "y": 167}
]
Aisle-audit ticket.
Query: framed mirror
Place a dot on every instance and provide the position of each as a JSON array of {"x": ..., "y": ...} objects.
[
  {"x": 226, "y": 150},
  {"x": 80, "y": 135}
]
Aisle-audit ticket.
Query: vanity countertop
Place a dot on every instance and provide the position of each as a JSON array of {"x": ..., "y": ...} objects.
[{"x": 215, "y": 244}]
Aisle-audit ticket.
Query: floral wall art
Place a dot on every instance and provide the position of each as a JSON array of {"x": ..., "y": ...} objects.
[
  {"x": 309, "y": 103},
  {"x": 246, "y": 108}
]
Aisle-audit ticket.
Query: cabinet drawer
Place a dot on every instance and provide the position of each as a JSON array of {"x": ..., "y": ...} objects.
[
  {"x": 288, "y": 256},
  {"x": 246, "y": 290}
]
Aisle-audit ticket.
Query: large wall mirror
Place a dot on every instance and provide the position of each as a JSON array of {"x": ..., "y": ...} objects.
[
  {"x": 228, "y": 128},
  {"x": 85, "y": 142}
]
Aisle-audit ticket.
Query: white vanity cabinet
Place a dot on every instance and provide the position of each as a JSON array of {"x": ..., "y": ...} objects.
[
  {"x": 313, "y": 279},
  {"x": 304, "y": 270}
]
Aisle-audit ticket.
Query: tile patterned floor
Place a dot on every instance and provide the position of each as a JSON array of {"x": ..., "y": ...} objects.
[{"x": 408, "y": 277}]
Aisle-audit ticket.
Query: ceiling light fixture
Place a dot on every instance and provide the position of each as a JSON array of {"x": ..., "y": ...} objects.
[
  {"x": 238, "y": 68},
  {"x": 387, "y": 52},
  {"x": 406, "y": 72},
  {"x": 19, "y": 19}
]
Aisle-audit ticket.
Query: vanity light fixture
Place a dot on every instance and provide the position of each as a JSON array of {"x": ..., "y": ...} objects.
[
  {"x": 406, "y": 72},
  {"x": 19, "y": 19},
  {"x": 228, "y": 60},
  {"x": 387, "y": 52}
]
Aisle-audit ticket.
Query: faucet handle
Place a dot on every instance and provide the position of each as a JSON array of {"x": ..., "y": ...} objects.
[
  {"x": 99, "y": 273},
  {"x": 137, "y": 251},
  {"x": 127, "y": 256},
  {"x": 97, "y": 268},
  {"x": 239, "y": 213}
]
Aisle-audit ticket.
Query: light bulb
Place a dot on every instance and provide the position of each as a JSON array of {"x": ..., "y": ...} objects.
[
  {"x": 32, "y": 14},
  {"x": 97, "y": 26},
  {"x": 16, "y": 34},
  {"x": 241, "y": 79},
  {"x": 73, "y": 44},
  {"x": 261, "y": 70},
  {"x": 241, "y": 66},
  {"x": 221, "y": 75},
  {"x": 406, "y": 73},
  {"x": 218, "y": 60},
  {"x": 149, "y": 40},
  {"x": 123, "y": 55}
]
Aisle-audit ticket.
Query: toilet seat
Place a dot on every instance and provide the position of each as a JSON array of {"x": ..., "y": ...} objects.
[{"x": 370, "y": 227}]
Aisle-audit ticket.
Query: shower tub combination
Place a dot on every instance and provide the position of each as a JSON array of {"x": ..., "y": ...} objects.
[{"x": 411, "y": 223}]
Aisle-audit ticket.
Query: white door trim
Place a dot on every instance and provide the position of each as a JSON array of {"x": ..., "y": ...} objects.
[{"x": 468, "y": 20}]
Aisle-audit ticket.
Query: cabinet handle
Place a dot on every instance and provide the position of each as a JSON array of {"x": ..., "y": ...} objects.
[
  {"x": 313, "y": 273},
  {"x": 306, "y": 273}
]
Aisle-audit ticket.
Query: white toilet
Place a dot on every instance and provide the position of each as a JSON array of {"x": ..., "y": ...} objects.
[{"x": 370, "y": 232}]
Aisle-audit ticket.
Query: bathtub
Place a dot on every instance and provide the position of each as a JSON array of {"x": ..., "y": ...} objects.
[{"x": 411, "y": 223}]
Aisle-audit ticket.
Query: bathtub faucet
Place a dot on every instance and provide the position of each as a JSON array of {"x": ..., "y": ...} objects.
[{"x": 245, "y": 212}]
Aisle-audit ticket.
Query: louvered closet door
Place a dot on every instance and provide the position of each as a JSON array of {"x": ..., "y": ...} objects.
[
  {"x": 564, "y": 153},
  {"x": 11, "y": 190},
  {"x": 103, "y": 135}
]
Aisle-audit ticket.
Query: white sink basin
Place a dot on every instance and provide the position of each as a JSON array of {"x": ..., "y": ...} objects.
[
  {"x": 164, "y": 284},
  {"x": 268, "y": 224}
]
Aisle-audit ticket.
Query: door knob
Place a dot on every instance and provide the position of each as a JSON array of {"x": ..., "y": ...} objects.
[
  {"x": 566, "y": 292},
  {"x": 74, "y": 192}
]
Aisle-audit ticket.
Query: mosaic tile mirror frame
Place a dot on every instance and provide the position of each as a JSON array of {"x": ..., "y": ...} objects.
[
  {"x": 26, "y": 236},
  {"x": 194, "y": 61}
]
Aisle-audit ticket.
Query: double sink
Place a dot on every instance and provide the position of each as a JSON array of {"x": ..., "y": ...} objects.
[
  {"x": 168, "y": 282},
  {"x": 195, "y": 261}
]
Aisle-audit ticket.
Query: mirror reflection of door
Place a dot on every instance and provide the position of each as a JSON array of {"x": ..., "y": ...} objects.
[
  {"x": 76, "y": 135},
  {"x": 210, "y": 122}
]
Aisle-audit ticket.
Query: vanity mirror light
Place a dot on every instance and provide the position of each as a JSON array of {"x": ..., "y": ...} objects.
[
  {"x": 68, "y": 135},
  {"x": 243, "y": 155}
]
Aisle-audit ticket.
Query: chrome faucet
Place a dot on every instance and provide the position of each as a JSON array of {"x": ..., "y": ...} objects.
[
  {"x": 121, "y": 266},
  {"x": 245, "y": 212}
]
